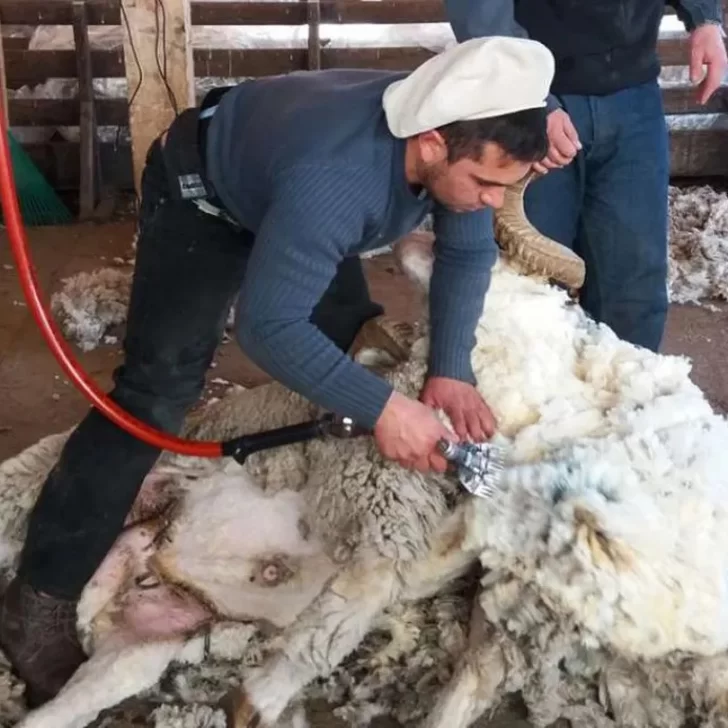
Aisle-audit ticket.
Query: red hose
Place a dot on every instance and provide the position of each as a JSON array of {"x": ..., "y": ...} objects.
[{"x": 54, "y": 338}]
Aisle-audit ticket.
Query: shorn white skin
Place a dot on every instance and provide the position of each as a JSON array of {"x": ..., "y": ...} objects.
[{"x": 608, "y": 536}]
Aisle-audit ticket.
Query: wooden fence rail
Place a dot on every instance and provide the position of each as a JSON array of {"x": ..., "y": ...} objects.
[
  {"x": 224, "y": 12},
  {"x": 695, "y": 151},
  {"x": 30, "y": 67}
]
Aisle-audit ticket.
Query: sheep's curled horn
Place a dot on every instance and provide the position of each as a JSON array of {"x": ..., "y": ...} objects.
[{"x": 535, "y": 252}]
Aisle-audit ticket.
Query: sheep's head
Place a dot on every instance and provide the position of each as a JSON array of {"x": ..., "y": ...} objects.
[{"x": 520, "y": 242}]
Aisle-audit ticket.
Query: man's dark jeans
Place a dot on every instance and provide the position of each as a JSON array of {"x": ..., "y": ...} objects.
[
  {"x": 610, "y": 206},
  {"x": 189, "y": 268}
]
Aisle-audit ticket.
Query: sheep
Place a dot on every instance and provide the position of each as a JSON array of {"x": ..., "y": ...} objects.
[
  {"x": 595, "y": 429},
  {"x": 602, "y": 554}
]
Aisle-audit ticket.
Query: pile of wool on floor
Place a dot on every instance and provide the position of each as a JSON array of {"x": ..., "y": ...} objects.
[
  {"x": 89, "y": 304},
  {"x": 698, "y": 244}
]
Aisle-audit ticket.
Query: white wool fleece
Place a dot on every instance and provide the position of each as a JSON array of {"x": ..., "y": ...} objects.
[{"x": 616, "y": 505}]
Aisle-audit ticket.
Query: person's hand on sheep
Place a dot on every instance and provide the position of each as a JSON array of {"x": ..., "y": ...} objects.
[
  {"x": 564, "y": 142},
  {"x": 461, "y": 402},
  {"x": 408, "y": 432}
]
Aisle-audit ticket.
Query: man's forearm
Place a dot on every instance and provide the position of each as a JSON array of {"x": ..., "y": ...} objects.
[
  {"x": 479, "y": 18},
  {"x": 693, "y": 13},
  {"x": 299, "y": 356},
  {"x": 460, "y": 281}
]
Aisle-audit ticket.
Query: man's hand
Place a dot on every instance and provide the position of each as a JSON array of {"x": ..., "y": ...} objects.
[
  {"x": 408, "y": 432},
  {"x": 461, "y": 402},
  {"x": 563, "y": 142},
  {"x": 707, "y": 49}
]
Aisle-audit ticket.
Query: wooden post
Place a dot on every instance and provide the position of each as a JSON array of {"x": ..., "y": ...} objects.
[
  {"x": 89, "y": 185},
  {"x": 159, "y": 70},
  {"x": 314, "y": 35},
  {"x": 3, "y": 88}
]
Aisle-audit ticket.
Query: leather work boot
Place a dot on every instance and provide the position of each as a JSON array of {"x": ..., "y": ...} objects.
[
  {"x": 383, "y": 332},
  {"x": 38, "y": 636}
]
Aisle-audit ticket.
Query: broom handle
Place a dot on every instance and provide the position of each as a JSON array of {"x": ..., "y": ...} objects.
[{"x": 3, "y": 91}]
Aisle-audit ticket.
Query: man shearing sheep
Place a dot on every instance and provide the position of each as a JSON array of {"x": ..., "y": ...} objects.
[
  {"x": 606, "y": 192},
  {"x": 267, "y": 195}
]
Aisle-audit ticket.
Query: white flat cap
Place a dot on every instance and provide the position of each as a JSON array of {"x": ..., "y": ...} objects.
[{"x": 477, "y": 79}]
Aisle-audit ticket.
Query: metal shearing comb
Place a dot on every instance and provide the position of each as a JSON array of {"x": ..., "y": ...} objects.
[{"x": 479, "y": 466}]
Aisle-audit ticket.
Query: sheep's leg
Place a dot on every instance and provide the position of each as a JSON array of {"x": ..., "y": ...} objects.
[
  {"x": 449, "y": 557},
  {"x": 146, "y": 628},
  {"x": 117, "y": 671},
  {"x": 471, "y": 691},
  {"x": 127, "y": 556},
  {"x": 473, "y": 688},
  {"x": 158, "y": 492},
  {"x": 322, "y": 636}
]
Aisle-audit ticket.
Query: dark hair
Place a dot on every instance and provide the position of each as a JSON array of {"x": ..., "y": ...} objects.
[{"x": 521, "y": 135}]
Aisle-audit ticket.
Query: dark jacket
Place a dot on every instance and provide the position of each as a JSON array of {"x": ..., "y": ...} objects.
[{"x": 600, "y": 46}]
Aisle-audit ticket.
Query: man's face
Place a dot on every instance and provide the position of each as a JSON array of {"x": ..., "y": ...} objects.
[{"x": 468, "y": 184}]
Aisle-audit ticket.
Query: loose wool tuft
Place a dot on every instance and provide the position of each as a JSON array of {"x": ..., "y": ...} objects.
[
  {"x": 90, "y": 304},
  {"x": 698, "y": 244},
  {"x": 593, "y": 583}
]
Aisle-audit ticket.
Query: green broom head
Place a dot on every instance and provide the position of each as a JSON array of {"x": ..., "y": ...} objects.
[{"x": 38, "y": 201}]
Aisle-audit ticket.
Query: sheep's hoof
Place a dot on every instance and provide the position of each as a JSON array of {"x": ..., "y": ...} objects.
[{"x": 239, "y": 711}]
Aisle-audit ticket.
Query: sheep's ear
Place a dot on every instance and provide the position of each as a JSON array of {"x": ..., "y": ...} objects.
[{"x": 414, "y": 255}]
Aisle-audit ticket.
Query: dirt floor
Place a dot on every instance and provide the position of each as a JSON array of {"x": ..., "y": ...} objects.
[{"x": 37, "y": 398}]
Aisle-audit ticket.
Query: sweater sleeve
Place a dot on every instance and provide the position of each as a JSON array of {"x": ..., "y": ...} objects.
[
  {"x": 315, "y": 217},
  {"x": 480, "y": 18},
  {"x": 465, "y": 252},
  {"x": 693, "y": 13}
]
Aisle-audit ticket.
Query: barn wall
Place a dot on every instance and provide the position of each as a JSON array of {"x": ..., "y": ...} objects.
[{"x": 234, "y": 40}]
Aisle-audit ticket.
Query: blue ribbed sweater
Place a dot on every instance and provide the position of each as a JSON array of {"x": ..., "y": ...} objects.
[{"x": 307, "y": 163}]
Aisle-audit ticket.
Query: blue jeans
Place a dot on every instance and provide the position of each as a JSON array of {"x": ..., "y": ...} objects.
[{"x": 610, "y": 206}]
